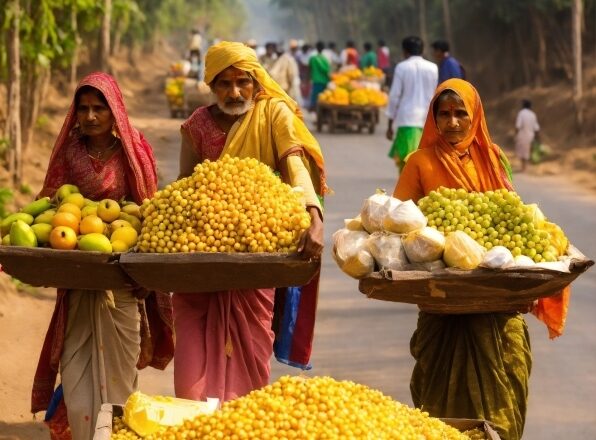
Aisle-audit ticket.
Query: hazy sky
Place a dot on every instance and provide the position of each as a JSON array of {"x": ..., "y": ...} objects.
[{"x": 267, "y": 23}]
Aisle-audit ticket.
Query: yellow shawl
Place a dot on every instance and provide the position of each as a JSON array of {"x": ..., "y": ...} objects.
[{"x": 274, "y": 127}]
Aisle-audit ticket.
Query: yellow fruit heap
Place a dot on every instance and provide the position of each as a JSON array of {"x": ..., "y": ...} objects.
[
  {"x": 373, "y": 71},
  {"x": 230, "y": 205},
  {"x": 315, "y": 408},
  {"x": 339, "y": 96},
  {"x": 495, "y": 218},
  {"x": 175, "y": 91}
]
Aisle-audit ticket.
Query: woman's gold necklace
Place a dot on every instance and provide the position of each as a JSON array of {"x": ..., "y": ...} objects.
[{"x": 100, "y": 154}]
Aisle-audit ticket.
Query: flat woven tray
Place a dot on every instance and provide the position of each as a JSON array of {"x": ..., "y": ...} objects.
[
  {"x": 209, "y": 272},
  {"x": 456, "y": 291},
  {"x": 64, "y": 269}
]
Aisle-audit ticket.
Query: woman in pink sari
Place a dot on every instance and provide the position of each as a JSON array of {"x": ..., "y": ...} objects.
[{"x": 97, "y": 339}]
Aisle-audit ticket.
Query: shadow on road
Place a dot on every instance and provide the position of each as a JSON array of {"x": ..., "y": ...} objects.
[{"x": 23, "y": 431}]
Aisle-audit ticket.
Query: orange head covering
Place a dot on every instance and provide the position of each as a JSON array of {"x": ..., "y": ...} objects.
[{"x": 491, "y": 164}]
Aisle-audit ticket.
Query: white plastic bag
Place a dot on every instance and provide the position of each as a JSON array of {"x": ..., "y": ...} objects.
[
  {"x": 373, "y": 212},
  {"x": 462, "y": 251},
  {"x": 387, "y": 250},
  {"x": 350, "y": 254},
  {"x": 424, "y": 245},
  {"x": 404, "y": 217},
  {"x": 498, "y": 257}
]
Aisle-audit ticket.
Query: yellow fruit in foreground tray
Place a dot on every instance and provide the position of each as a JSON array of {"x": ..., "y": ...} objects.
[
  {"x": 66, "y": 219},
  {"x": 132, "y": 209},
  {"x": 65, "y": 190},
  {"x": 91, "y": 224},
  {"x": 42, "y": 232},
  {"x": 132, "y": 220},
  {"x": 6, "y": 240},
  {"x": 108, "y": 210},
  {"x": 63, "y": 237},
  {"x": 9, "y": 220},
  {"x": 95, "y": 242},
  {"x": 76, "y": 199},
  {"x": 126, "y": 234},
  {"x": 119, "y": 246},
  {"x": 21, "y": 234},
  {"x": 72, "y": 208}
]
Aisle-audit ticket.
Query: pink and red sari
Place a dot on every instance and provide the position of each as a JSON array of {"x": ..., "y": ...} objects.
[{"x": 131, "y": 174}]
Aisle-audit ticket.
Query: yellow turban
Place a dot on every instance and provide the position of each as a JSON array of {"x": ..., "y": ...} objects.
[{"x": 225, "y": 54}]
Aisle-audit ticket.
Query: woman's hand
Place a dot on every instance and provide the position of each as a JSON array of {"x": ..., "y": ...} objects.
[{"x": 311, "y": 242}]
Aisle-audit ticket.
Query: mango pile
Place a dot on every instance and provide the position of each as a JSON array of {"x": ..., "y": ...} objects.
[
  {"x": 70, "y": 221},
  {"x": 228, "y": 205},
  {"x": 372, "y": 72},
  {"x": 174, "y": 91},
  {"x": 354, "y": 96},
  {"x": 496, "y": 218},
  {"x": 309, "y": 408}
]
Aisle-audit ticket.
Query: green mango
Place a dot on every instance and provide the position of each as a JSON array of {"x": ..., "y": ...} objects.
[
  {"x": 21, "y": 234},
  {"x": 37, "y": 207},
  {"x": 8, "y": 221},
  {"x": 64, "y": 191},
  {"x": 95, "y": 242},
  {"x": 42, "y": 232},
  {"x": 45, "y": 217},
  {"x": 6, "y": 240}
]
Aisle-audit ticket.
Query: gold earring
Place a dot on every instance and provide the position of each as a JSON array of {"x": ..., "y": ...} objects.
[{"x": 115, "y": 131}]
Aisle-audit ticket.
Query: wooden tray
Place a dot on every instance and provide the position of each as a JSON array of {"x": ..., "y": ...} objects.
[
  {"x": 64, "y": 269},
  {"x": 456, "y": 291},
  {"x": 210, "y": 272}
]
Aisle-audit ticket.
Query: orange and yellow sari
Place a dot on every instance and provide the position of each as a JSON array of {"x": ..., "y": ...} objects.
[{"x": 467, "y": 366}]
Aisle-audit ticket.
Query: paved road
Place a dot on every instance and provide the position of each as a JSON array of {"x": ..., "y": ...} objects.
[{"x": 368, "y": 341}]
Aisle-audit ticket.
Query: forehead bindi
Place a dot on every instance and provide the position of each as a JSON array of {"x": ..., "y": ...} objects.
[
  {"x": 233, "y": 74},
  {"x": 451, "y": 103}
]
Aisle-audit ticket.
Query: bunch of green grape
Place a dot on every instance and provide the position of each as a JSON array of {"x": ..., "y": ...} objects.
[{"x": 492, "y": 218}]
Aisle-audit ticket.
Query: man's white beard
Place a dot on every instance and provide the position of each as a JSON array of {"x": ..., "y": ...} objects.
[{"x": 235, "y": 110}]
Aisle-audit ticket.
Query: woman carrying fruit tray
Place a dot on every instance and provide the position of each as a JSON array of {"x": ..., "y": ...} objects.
[
  {"x": 469, "y": 366},
  {"x": 98, "y": 339},
  {"x": 224, "y": 339}
]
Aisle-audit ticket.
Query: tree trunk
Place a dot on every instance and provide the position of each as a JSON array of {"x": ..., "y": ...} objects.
[
  {"x": 576, "y": 29},
  {"x": 538, "y": 26},
  {"x": 36, "y": 78},
  {"x": 74, "y": 62},
  {"x": 105, "y": 37},
  {"x": 447, "y": 21},
  {"x": 13, "y": 119},
  {"x": 422, "y": 19},
  {"x": 523, "y": 59}
]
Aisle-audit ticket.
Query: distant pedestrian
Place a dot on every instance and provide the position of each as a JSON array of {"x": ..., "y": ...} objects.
[
  {"x": 320, "y": 72},
  {"x": 369, "y": 58},
  {"x": 349, "y": 56},
  {"x": 268, "y": 59},
  {"x": 413, "y": 86},
  {"x": 384, "y": 60},
  {"x": 303, "y": 57},
  {"x": 449, "y": 67},
  {"x": 332, "y": 56},
  {"x": 285, "y": 71},
  {"x": 527, "y": 131}
]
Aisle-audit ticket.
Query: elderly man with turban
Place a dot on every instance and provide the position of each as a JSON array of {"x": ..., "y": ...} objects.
[{"x": 225, "y": 339}]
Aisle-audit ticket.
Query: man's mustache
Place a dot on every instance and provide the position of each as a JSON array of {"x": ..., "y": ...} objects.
[{"x": 235, "y": 101}]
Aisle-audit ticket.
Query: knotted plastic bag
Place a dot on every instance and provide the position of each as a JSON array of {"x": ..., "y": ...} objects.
[
  {"x": 387, "y": 250},
  {"x": 350, "y": 253}
]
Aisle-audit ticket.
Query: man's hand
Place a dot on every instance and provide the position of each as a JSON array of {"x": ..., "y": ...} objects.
[
  {"x": 311, "y": 242},
  {"x": 389, "y": 133}
]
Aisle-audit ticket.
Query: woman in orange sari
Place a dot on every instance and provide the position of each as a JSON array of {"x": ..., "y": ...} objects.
[
  {"x": 97, "y": 339},
  {"x": 478, "y": 365}
]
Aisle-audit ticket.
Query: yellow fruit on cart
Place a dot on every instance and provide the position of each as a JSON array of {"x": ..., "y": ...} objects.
[
  {"x": 66, "y": 219},
  {"x": 91, "y": 224},
  {"x": 72, "y": 208},
  {"x": 126, "y": 234},
  {"x": 63, "y": 237}
]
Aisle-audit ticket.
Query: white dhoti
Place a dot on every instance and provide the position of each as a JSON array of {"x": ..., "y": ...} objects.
[{"x": 101, "y": 348}]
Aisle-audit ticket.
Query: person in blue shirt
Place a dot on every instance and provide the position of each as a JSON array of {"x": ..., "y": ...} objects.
[{"x": 449, "y": 67}]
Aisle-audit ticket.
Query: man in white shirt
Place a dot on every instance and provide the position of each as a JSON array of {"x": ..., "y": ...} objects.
[
  {"x": 528, "y": 129},
  {"x": 413, "y": 86}
]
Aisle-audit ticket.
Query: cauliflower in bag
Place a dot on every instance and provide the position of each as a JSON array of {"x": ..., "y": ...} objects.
[
  {"x": 350, "y": 253},
  {"x": 424, "y": 245},
  {"x": 404, "y": 217},
  {"x": 387, "y": 250},
  {"x": 373, "y": 211}
]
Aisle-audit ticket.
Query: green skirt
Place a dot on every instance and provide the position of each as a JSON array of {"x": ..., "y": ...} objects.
[
  {"x": 406, "y": 141},
  {"x": 473, "y": 366}
]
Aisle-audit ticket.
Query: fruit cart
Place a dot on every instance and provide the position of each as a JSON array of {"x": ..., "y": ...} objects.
[
  {"x": 354, "y": 118},
  {"x": 185, "y": 95}
]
